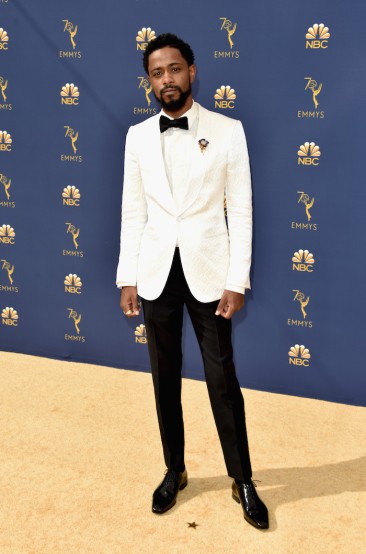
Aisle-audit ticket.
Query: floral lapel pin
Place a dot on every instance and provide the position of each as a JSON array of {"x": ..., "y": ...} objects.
[{"x": 203, "y": 143}]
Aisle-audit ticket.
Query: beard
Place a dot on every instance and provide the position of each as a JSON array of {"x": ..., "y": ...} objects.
[{"x": 174, "y": 105}]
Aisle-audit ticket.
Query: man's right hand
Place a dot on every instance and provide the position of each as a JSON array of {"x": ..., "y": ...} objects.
[{"x": 129, "y": 302}]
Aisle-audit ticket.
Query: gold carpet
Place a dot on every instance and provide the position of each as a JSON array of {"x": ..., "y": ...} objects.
[{"x": 80, "y": 457}]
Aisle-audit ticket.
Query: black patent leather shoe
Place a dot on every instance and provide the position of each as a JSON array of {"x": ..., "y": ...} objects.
[
  {"x": 165, "y": 496},
  {"x": 255, "y": 512}
]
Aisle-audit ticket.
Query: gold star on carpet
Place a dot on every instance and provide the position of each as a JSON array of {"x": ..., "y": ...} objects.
[{"x": 193, "y": 525}]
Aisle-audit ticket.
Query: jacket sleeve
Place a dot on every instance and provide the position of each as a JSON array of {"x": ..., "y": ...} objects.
[
  {"x": 239, "y": 211},
  {"x": 134, "y": 215}
]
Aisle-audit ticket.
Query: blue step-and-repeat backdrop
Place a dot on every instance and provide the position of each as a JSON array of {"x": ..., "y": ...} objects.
[{"x": 71, "y": 83}]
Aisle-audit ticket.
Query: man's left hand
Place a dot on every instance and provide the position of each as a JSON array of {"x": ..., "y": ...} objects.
[{"x": 230, "y": 303}]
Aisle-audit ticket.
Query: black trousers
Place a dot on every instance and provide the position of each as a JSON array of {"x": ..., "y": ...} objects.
[{"x": 163, "y": 321}]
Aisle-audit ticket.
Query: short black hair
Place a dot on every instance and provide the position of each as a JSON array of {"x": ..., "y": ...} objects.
[{"x": 167, "y": 39}]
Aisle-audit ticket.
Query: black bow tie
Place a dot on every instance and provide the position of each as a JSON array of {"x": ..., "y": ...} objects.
[{"x": 165, "y": 123}]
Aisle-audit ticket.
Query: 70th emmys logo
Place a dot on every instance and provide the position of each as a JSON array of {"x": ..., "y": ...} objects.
[
  {"x": 144, "y": 37},
  {"x": 72, "y": 30},
  {"x": 4, "y": 39},
  {"x": 5, "y": 141},
  {"x": 303, "y": 301},
  {"x": 9, "y": 269},
  {"x": 224, "y": 97},
  {"x": 7, "y": 235},
  {"x": 303, "y": 260},
  {"x": 308, "y": 204},
  {"x": 230, "y": 29},
  {"x": 309, "y": 154},
  {"x": 299, "y": 355},
  {"x": 305, "y": 199},
  {"x": 73, "y": 136},
  {"x": 76, "y": 319},
  {"x": 317, "y": 36},
  {"x": 73, "y": 284},
  {"x": 6, "y": 184},
  {"x": 3, "y": 86},
  {"x": 300, "y": 297},
  {"x": 144, "y": 84},
  {"x": 70, "y": 95},
  {"x": 74, "y": 232}
]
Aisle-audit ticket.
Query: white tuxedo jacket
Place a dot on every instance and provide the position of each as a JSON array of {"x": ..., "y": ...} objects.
[{"x": 215, "y": 256}]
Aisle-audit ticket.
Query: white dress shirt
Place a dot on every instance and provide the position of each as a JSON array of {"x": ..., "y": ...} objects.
[{"x": 177, "y": 146}]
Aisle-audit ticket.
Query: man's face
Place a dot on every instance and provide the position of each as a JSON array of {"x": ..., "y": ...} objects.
[{"x": 171, "y": 78}]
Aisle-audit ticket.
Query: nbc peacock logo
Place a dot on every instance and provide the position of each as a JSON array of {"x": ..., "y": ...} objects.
[
  {"x": 7, "y": 234},
  {"x": 73, "y": 284},
  {"x": 71, "y": 196},
  {"x": 70, "y": 95},
  {"x": 144, "y": 36},
  {"x": 303, "y": 260},
  {"x": 299, "y": 355},
  {"x": 5, "y": 141},
  {"x": 10, "y": 317},
  {"x": 4, "y": 40},
  {"x": 140, "y": 334},
  {"x": 308, "y": 154},
  {"x": 317, "y": 36},
  {"x": 225, "y": 97}
]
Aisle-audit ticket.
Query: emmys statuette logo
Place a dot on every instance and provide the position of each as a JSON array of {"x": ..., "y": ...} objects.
[
  {"x": 70, "y": 95},
  {"x": 303, "y": 260},
  {"x": 315, "y": 90},
  {"x": 8, "y": 269},
  {"x": 5, "y": 141},
  {"x": 303, "y": 301},
  {"x": 317, "y": 36},
  {"x": 3, "y": 95},
  {"x": 71, "y": 30},
  {"x": 4, "y": 39},
  {"x": 144, "y": 85},
  {"x": 10, "y": 317},
  {"x": 299, "y": 355},
  {"x": 230, "y": 29},
  {"x": 224, "y": 97},
  {"x": 308, "y": 154},
  {"x": 140, "y": 334},
  {"x": 7, "y": 235},
  {"x": 308, "y": 203},
  {"x": 73, "y": 284},
  {"x": 73, "y": 136},
  {"x": 76, "y": 318},
  {"x": 143, "y": 37},
  {"x": 74, "y": 233},
  {"x": 6, "y": 182},
  {"x": 71, "y": 196}
]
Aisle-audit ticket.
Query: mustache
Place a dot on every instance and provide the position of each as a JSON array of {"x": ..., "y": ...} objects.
[{"x": 167, "y": 87}]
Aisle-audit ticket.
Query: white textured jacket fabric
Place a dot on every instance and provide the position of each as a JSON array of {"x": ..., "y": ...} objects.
[{"x": 214, "y": 256}]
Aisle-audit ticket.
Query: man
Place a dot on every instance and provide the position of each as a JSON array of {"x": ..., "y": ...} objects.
[{"x": 176, "y": 250}]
